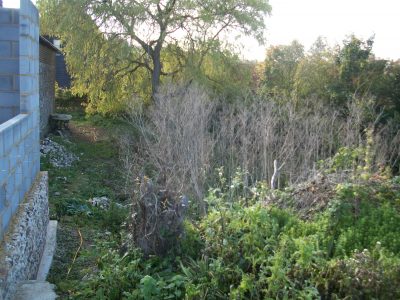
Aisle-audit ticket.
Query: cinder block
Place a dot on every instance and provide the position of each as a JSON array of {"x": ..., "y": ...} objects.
[
  {"x": 8, "y": 140},
  {"x": 2, "y": 196},
  {"x": 8, "y": 66},
  {"x": 5, "y": 49},
  {"x": 6, "y": 114},
  {"x": 15, "y": 16},
  {"x": 5, "y": 16},
  {"x": 18, "y": 175},
  {"x": 6, "y": 218},
  {"x": 4, "y": 169},
  {"x": 24, "y": 68},
  {"x": 12, "y": 157},
  {"x": 9, "y": 99},
  {"x": 15, "y": 49},
  {"x": 16, "y": 134},
  {"x": 27, "y": 181},
  {"x": 10, "y": 186},
  {"x": 16, "y": 82},
  {"x": 24, "y": 126},
  {"x": 6, "y": 83},
  {"x": 1, "y": 144},
  {"x": 20, "y": 152},
  {"x": 15, "y": 201},
  {"x": 24, "y": 28},
  {"x": 24, "y": 49},
  {"x": 9, "y": 33}
]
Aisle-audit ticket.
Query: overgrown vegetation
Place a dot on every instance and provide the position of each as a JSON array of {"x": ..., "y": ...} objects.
[
  {"x": 193, "y": 163},
  {"x": 243, "y": 249},
  {"x": 250, "y": 242}
]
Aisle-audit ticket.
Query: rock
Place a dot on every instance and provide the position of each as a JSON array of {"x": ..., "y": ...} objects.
[
  {"x": 59, "y": 156},
  {"x": 35, "y": 290},
  {"x": 57, "y": 194},
  {"x": 101, "y": 202}
]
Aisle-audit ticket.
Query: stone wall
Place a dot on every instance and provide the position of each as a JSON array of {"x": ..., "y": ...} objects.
[
  {"x": 22, "y": 246},
  {"x": 9, "y": 63},
  {"x": 47, "y": 75}
]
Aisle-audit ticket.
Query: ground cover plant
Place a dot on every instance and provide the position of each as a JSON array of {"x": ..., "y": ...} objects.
[{"x": 247, "y": 250}]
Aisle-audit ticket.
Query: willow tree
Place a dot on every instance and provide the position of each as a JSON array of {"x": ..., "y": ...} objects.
[{"x": 140, "y": 34}]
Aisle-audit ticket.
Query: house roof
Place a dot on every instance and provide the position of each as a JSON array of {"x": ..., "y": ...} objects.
[{"x": 48, "y": 44}]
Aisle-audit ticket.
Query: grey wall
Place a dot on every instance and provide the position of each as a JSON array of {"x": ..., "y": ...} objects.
[
  {"x": 9, "y": 63},
  {"x": 19, "y": 136},
  {"x": 47, "y": 74}
]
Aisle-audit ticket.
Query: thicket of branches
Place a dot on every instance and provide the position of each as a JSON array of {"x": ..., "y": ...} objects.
[{"x": 186, "y": 135}]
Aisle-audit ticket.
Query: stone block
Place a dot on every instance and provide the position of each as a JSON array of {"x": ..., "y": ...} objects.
[
  {"x": 24, "y": 67},
  {"x": 24, "y": 126},
  {"x": 9, "y": 33},
  {"x": 5, "y": 16},
  {"x": 16, "y": 82},
  {"x": 9, "y": 99},
  {"x": 9, "y": 66},
  {"x": 24, "y": 28},
  {"x": 25, "y": 50},
  {"x": 10, "y": 185},
  {"x": 1, "y": 144},
  {"x": 15, "y": 49},
  {"x": 6, "y": 217},
  {"x": 4, "y": 167},
  {"x": 6, "y": 83},
  {"x": 15, "y": 201},
  {"x": 6, "y": 114},
  {"x": 16, "y": 134},
  {"x": 15, "y": 16},
  {"x": 5, "y": 49},
  {"x": 2, "y": 196},
  {"x": 8, "y": 140},
  {"x": 12, "y": 158}
]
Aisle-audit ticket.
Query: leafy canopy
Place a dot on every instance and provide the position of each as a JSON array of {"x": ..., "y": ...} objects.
[{"x": 113, "y": 47}]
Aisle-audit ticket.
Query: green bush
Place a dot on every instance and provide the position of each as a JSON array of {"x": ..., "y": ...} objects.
[{"x": 351, "y": 250}]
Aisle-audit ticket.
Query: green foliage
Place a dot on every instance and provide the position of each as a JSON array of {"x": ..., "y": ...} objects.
[
  {"x": 251, "y": 251},
  {"x": 118, "y": 51},
  {"x": 332, "y": 76},
  {"x": 364, "y": 215},
  {"x": 280, "y": 67}
]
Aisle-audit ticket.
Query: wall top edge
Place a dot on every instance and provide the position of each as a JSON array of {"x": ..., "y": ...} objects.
[{"x": 12, "y": 122}]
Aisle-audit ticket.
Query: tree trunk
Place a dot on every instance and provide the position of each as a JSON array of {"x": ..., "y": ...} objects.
[{"x": 155, "y": 76}]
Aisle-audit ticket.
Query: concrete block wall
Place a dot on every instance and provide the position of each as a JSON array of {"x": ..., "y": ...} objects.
[
  {"x": 19, "y": 136},
  {"x": 9, "y": 63}
]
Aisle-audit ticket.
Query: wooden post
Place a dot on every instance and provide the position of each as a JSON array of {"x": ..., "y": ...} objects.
[{"x": 275, "y": 176}]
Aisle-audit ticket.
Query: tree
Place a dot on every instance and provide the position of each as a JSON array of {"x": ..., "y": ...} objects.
[
  {"x": 316, "y": 73},
  {"x": 148, "y": 31},
  {"x": 353, "y": 61},
  {"x": 280, "y": 67}
]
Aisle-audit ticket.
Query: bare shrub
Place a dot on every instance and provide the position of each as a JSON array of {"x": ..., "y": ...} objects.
[
  {"x": 176, "y": 138},
  {"x": 157, "y": 218},
  {"x": 184, "y": 136},
  {"x": 253, "y": 136}
]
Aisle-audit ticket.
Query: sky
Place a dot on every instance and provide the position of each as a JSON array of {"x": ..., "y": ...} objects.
[{"x": 305, "y": 20}]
